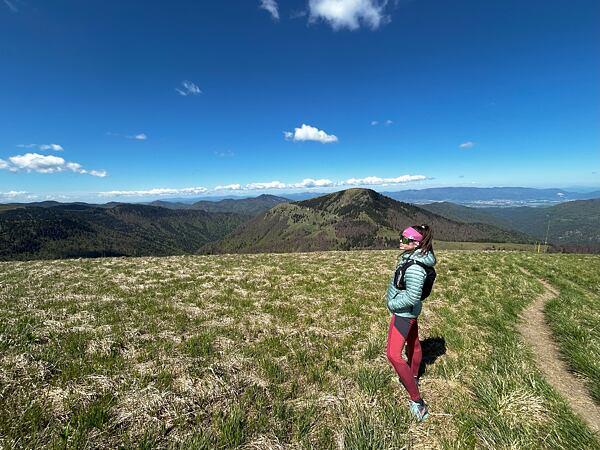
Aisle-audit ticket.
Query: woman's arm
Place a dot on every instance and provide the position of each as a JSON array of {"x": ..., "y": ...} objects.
[{"x": 398, "y": 300}]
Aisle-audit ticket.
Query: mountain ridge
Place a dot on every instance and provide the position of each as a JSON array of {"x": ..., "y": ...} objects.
[
  {"x": 70, "y": 231},
  {"x": 349, "y": 219},
  {"x": 570, "y": 226}
]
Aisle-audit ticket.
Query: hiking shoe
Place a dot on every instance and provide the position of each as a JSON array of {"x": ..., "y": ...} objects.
[{"x": 419, "y": 410}]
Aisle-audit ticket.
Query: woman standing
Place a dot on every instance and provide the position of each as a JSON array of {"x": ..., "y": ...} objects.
[{"x": 404, "y": 302}]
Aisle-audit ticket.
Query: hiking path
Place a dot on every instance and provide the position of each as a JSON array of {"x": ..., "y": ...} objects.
[{"x": 550, "y": 361}]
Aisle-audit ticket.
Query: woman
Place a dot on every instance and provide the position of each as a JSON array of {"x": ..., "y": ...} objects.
[{"x": 405, "y": 306}]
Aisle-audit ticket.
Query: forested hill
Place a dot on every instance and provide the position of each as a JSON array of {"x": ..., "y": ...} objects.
[
  {"x": 354, "y": 218},
  {"x": 247, "y": 206},
  {"x": 466, "y": 214},
  {"x": 569, "y": 226},
  {"x": 82, "y": 230}
]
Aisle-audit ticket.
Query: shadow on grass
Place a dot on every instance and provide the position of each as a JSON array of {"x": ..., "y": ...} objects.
[{"x": 432, "y": 348}]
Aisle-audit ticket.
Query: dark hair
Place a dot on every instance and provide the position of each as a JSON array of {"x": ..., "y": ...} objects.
[{"x": 427, "y": 233}]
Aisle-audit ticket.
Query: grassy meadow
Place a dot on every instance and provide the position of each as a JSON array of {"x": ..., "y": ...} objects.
[
  {"x": 274, "y": 351},
  {"x": 483, "y": 246}
]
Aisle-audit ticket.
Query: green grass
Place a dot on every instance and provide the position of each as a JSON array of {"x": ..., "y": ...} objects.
[
  {"x": 287, "y": 350},
  {"x": 482, "y": 246}
]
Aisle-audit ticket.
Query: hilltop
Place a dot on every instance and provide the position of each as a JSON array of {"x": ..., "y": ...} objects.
[
  {"x": 248, "y": 206},
  {"x": 353, "y": 218}
]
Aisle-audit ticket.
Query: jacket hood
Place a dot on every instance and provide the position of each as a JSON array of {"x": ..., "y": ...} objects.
[{"x": 428, "y": 258}]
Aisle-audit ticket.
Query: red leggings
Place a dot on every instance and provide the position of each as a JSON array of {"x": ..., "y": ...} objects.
[{"x": 404, "y": 330}]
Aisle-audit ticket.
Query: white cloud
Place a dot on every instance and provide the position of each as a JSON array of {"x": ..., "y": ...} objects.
[
  {"x": 349, "y": 13},
  {"x": 224, "y": 154},
  {"x": 97, "y": 173},
  {"x": 310, "y": 183},
  {"x": 309, "y": 133},
  {"x": 58, "y": 196},
  {"x": 135, "y": 137},
  {"x": 34, "y": 162},
  {"x": 271, "y": 6},
  {"x": 385, "y": 122},
  {"x": 378, "y": 181},
  {"x": 138, "y": 137},
  {"x": 298, "y": 14},
  {"x": 12, "y": 194},
  {"x": 12, "y": 7},
  {"x": 55, "y": 147},
  {"x": 155, "y": 191},
  {"x": 268, "y": 185},
  {"x": 467, "y": 144},
  {"x": 37, "y": 163},
  {"x": 307, "y": 183},
  {"x": 229, "y": 187},
  {"x": 188, "y": 88}
]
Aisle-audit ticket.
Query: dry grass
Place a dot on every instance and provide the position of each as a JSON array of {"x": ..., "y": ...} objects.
[{"x": 264, "y": 351}]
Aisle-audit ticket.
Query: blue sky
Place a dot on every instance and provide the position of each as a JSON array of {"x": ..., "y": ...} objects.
[{"x": 129, "y": 101}]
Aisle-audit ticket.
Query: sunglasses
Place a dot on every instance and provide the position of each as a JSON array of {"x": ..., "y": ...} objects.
[{"x": 406, "y": 240}]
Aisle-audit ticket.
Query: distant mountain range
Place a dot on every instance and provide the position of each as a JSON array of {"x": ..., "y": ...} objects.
[
  {"x": 80, "y": 230},
  {"x": 466, "y": 214},
  {"x": 354, "y": 218},
  {"x": 207, "y": 198},
  {"x": 469, "y": 196},
  {"x": 250, "y": 206},
  {"x": 497, "y": 196},
  {"x": 571, "y": 225}
]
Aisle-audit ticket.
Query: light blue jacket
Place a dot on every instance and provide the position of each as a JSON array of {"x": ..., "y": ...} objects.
[{"x": 407, "y": 303}]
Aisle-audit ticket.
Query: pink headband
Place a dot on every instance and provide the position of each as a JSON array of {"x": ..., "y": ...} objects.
[{"x": 411, "y": 233}]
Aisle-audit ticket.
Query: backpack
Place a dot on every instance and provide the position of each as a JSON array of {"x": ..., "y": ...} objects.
[{"x": 430, "y": 275}]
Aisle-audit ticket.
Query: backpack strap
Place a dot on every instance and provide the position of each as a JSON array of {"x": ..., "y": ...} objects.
[
  {"x": 400, "y": 272},
  {"x": 419, "y": 263}
]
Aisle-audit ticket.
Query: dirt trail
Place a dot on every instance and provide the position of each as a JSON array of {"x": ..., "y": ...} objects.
[{"x": 550, "y": 361}]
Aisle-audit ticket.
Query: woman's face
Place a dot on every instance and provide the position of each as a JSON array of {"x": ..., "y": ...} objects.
[{"x": 408, "y": 247}]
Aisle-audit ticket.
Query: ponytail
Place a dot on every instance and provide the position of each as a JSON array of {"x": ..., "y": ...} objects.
[{"x": 427, "y": 241}]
